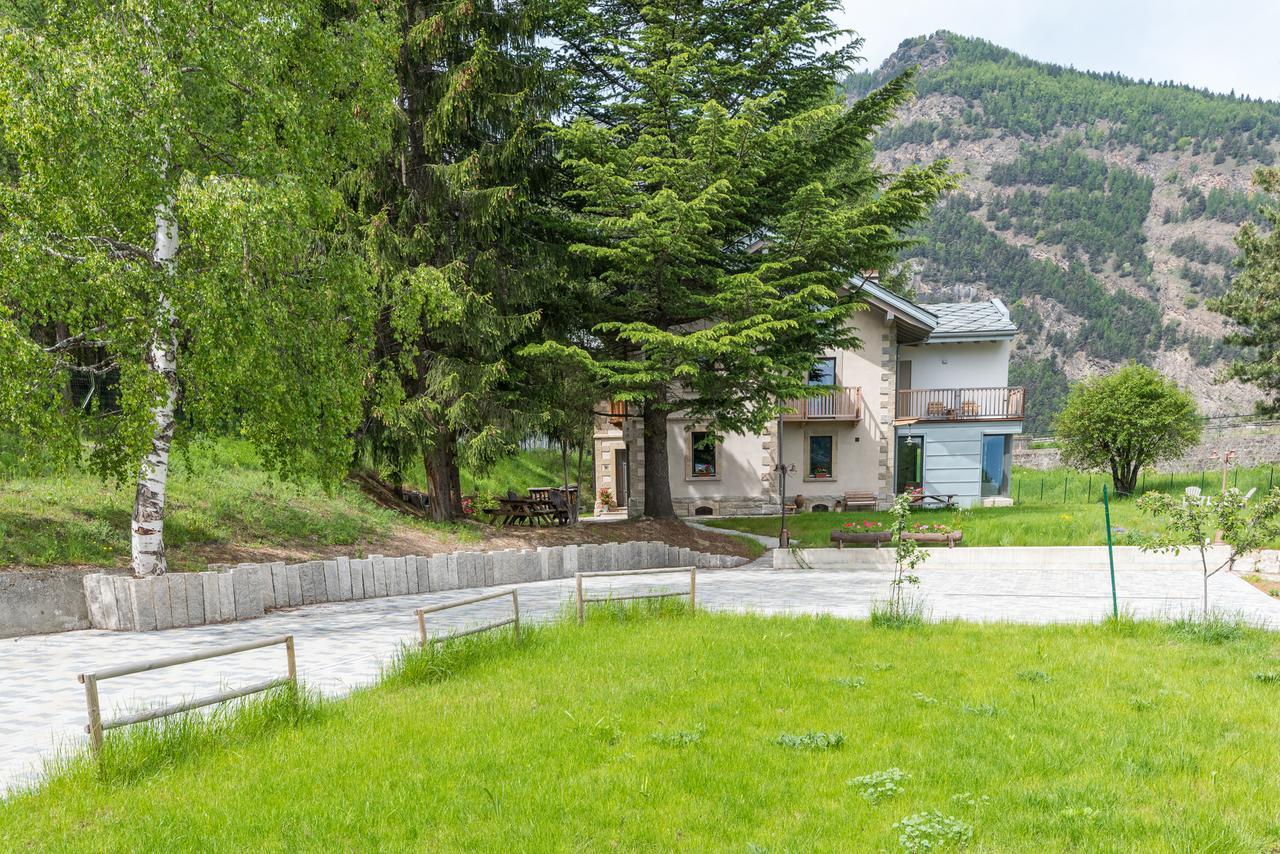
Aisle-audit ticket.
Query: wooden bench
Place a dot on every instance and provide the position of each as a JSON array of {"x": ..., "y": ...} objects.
[{"x": 860, "y": 500}]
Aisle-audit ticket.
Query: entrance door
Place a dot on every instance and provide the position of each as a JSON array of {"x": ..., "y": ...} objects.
[
  {"x": 909, "y": 465},
  {"x": 621, "y": 477}
]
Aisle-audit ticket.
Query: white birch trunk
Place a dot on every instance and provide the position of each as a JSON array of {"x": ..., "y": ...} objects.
[{"x": 147, "y": 525}]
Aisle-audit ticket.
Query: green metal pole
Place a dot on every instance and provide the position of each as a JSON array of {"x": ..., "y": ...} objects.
[{"x": 1111, "y": 558}]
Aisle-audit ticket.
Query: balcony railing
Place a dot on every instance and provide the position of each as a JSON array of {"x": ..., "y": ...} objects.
[
  {"x": 997, "y": 403},
  {"x": 843, "y": 404}
]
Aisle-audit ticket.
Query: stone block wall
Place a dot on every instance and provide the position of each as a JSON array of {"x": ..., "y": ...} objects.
[{"x": 248, "y": 590}]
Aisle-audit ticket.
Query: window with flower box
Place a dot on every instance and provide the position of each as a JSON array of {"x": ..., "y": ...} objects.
[
  {"x": 821, "y": 458},
  {"x": 703, "y": 457}
]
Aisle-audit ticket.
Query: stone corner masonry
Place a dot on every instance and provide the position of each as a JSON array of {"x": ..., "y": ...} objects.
[{"x": 248, "y": 590}]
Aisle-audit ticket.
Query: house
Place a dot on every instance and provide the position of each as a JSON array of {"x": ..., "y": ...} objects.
[{"x": 924, "y": 404}]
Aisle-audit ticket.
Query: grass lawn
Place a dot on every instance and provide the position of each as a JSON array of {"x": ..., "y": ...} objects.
[
  {"x": 1032, "y": 521},
  {"x": 219, "y": 497},
  {"x": 734, "y": 733},
  {"x": 1020, "y": 525}
]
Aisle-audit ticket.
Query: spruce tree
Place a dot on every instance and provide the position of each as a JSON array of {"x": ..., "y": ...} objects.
[
  {"x": 725, "y": 197},
  {"x": 1253, "y": 300},
  {"x": 456, "y": 236}
]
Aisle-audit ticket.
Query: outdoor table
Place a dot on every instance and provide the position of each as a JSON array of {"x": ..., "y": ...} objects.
[{"x": 516, "y": 511}]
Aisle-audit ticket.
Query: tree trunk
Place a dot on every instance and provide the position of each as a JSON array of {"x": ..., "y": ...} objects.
[
  {"x": 657, "y": 477},
  {"x": 1125, "y": 478},
  {"x": 441, "y": 464},
  {"x": 573, "y": 505},
  {"x": 147, "y": 526},
  {"x": 455, "y": 479},
  {"x": 564, "y": 466}
]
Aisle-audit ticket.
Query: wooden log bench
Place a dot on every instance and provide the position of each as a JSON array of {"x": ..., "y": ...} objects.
[
  {"x": 840, "y": 536},
  {"x": 950, "y": 537}
]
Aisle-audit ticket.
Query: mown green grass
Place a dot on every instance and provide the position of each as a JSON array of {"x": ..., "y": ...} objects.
[
  {"x": 219, "y": 495},
  {"x": 733, "y": 733},
  {"x": 1032, "y": 521},
  {"x": 1072, "y": 525}
]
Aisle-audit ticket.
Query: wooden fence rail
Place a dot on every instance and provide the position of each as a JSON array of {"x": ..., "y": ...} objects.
[
  {"x": 581, "y": 600},
  {"x": 513, "y": 621},
  {"x": 97, "y": 726}
]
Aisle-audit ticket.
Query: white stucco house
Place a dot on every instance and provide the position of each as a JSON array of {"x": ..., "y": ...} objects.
[{"x": 924, "y": 404}]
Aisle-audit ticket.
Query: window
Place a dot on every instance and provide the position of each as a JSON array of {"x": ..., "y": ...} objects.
[
  {"x": 703, "y": 460},
  {"x": 821, "y": 457},
  {"x": 910, "y": 464},
  {"x": 995, "y": 465},
  {"x": 823, "y": 372}
]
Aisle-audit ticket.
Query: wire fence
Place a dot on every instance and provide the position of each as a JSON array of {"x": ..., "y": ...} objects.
[{"x": 1066, "y": 486}]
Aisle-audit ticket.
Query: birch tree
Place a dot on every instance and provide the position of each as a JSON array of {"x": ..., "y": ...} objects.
[{"x": 171, "y": 226}]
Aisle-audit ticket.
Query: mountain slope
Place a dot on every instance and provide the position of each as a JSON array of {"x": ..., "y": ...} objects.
[{"x": 1101, "y": 208}]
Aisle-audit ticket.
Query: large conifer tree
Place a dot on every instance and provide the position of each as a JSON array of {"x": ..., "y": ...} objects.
[
  {"x": 707, "y": 129},
  {"x": 1253, "y": 300},
  {"x": 455, "y": 235}
]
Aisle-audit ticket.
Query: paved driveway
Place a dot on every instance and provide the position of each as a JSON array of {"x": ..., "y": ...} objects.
[{"x": 341, "y": 646}]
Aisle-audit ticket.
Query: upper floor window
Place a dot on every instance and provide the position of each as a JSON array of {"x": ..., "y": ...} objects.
[
  {"x": 823, "y": 372},
  {"x": 703, "y": 460}
]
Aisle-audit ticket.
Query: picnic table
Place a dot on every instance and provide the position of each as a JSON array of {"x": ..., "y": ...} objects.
[
  {"x": 941, "y": 500},
  {"x": 523, "y": 511}
]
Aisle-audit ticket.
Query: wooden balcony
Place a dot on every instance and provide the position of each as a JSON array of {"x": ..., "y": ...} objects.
[
  {"x": 617, "y": 412},
  {"x": 996, "y": 403},
  {"x": 843, "y": 404}
]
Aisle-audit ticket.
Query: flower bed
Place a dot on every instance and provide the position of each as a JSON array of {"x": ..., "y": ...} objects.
[{"x": 874, "y": 533}]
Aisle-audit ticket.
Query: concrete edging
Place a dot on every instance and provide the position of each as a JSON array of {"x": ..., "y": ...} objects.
[
  {"x": 1017, "y": 557},
  {"x": 249, "y": 590}
]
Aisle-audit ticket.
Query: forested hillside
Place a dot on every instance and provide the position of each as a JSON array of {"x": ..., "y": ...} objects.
[{"x": 1101, "y": 208}]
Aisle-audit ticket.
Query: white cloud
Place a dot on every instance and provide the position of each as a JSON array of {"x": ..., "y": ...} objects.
[{"x": 1224, "y": 45}]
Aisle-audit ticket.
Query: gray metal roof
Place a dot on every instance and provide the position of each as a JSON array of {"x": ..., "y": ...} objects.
[{"x": 971, "y": 320}]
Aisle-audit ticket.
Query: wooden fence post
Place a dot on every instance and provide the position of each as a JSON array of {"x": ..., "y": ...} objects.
[
  {"x": 293, "y": 662},
  {"x": 94, "y": 727},
  {"x": 693, "y": 589},
  {"x": 577, "y": 580},
  {"x": 515, "y": 608},
  {"x": 422, "y": 628}
]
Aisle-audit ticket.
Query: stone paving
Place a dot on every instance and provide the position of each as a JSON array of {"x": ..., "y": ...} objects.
[{"x": 341, "y": 646}]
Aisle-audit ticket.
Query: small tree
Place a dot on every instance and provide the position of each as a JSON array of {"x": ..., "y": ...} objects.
[
  {"x": 907, "y": 555},
  {"x": 1192, "y": 519},
  {"x": 1125, "y": 420}
]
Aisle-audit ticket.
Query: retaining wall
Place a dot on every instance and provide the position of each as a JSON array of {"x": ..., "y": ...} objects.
[
  {"x": 1018, "y": 557},
  {"x": 176, "y": 600},
  {"x": 38, "y": 601},
  {"x": 1254, "y": 446}
]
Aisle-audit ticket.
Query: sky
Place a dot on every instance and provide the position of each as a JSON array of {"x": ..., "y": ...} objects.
[{"x": 1220, "y": 45}]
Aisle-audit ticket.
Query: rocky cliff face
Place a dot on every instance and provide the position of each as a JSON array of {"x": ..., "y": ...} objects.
[{"x": 1103, "y": 209}]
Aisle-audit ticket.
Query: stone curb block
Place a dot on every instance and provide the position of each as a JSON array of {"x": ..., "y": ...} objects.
[{"x": 248, "y": 590}]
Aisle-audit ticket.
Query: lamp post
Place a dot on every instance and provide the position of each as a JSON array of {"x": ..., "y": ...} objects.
[{"x": 782, "y": 468}]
